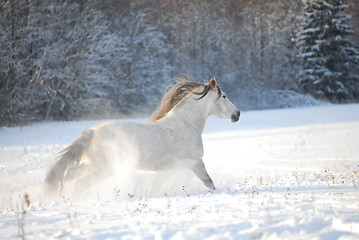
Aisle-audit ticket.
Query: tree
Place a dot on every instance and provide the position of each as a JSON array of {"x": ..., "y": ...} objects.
[
  {"x": 65, "y": 59},
  {"x": 140, "y": 60},
  {"x": 47, "y": 61},
  {"x": 329, "y": 58}
]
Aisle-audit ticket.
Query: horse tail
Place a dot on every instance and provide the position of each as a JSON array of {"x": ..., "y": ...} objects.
[{"x": 69, "y": 157}]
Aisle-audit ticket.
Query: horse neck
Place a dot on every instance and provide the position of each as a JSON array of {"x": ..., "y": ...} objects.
[{"x": 191, "y": 114}]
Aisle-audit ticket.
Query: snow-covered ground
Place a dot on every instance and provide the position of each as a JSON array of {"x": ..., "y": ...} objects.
[{"x": 280, "y": 174}]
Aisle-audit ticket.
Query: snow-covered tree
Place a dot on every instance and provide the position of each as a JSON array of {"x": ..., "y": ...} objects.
[
  {"x": 330, "y": 59},
  {"x": 44, "y": 56},
  {"x": 70, "y": 59}
]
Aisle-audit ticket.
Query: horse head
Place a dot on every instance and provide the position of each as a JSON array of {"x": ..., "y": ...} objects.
[{"x": 221, "y": 106}]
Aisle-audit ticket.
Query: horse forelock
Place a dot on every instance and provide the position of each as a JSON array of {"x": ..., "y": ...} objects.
[{"x": 178, "y": 92}]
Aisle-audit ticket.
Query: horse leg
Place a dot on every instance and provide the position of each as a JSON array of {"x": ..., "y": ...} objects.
[
  {"x": 100, "y": 169},
  {"x": 77, "y": 172},
  {"x": 95, "y": 177},
  {"x": 200, "y": 170}
]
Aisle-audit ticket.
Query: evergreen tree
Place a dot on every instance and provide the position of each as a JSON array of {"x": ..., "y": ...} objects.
[{"x": 330, "y": 59}]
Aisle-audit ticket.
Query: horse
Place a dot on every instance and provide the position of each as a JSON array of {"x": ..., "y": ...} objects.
[{"x": 171, "y": 138}]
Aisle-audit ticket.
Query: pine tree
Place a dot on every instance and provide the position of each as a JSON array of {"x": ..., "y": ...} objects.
[{"x": 330, "y": 59}]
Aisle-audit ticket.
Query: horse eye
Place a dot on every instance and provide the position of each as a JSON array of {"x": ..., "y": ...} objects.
[{"x": 224, "y": 96}]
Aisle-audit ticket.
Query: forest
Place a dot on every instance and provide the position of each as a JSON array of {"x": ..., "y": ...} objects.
[{"x": 77, "y": 59}]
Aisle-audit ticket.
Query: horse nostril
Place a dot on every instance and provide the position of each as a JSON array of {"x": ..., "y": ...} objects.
[{"x": 235, "y": 116}]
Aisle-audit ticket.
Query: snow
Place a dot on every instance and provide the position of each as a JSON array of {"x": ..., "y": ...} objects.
[{"x": 280, "y": 174}]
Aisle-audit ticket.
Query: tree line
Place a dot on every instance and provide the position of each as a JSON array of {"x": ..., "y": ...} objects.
[{"x": 72, "y": 59}]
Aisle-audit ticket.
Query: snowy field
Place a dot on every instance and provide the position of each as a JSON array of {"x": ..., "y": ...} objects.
[{"x": 280, "y": 174}]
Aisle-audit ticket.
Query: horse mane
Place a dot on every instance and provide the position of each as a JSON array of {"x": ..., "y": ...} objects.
[{"x": 184, "y": 87}]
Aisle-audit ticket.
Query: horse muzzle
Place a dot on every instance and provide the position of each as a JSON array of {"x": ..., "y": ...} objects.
[{"x": 235, "y": 116}]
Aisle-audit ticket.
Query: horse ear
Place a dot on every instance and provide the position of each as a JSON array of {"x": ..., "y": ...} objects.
[{"x": 213, "y": 83}]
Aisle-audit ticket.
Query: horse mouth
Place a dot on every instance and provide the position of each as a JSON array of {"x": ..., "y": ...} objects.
[{"x": 235, "y": 116}]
